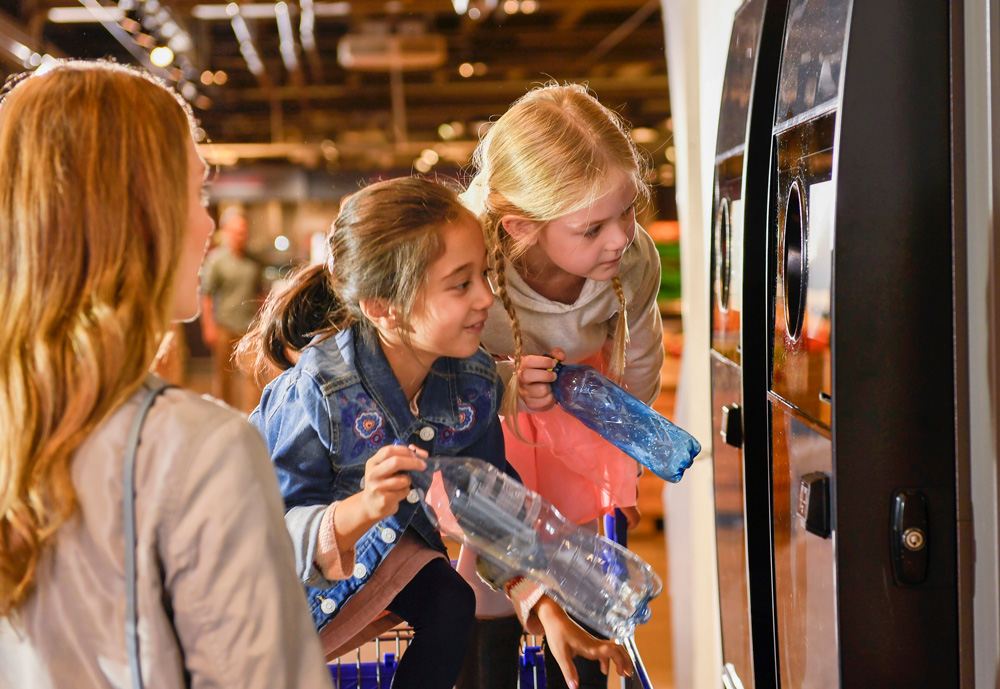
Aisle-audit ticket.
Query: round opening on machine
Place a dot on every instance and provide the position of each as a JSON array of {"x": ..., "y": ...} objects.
[
  {"x": 793, "y": 274},
  {"x": 723, "y": 255}
]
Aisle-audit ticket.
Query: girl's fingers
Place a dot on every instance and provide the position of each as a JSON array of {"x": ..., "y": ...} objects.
[
  {"x": 393, "y": 483},
  {"x": 397, "y": 458},
  {"x": 535, "y": 362},
  {"x": 565, "y": 663},
  {"x": 622, "y": 661},
  {"x": 534, "y": 376}
]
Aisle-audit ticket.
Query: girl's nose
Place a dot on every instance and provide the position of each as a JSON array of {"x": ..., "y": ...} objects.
[
  {"x": 623, "y": 235},
  {"x": 484, "y": 299}
]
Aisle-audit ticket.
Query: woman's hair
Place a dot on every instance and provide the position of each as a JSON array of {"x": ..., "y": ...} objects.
[
  {"x": 551, "y": 154},
  {"x": 380, "y": 247},
  {"x": 93, "y": 211}
]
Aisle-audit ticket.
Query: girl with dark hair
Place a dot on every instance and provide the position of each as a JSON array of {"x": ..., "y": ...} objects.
[{"x": 382, "y": 366}]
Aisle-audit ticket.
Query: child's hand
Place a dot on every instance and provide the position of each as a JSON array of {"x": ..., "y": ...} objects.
[
  {"x": 566, "y": 639},
  {"x": 386, "y": 482},
  {"x": 535, "y": 378}
]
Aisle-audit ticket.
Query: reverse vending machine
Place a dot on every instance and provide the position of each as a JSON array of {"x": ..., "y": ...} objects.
[
  {"x": 845, "y": 375},
  {"x": 742, "y": 496}
]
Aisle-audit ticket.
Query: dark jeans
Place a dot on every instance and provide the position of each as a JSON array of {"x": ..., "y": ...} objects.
[
  {"x": 440, "y": 607},
  {"x": 492, "y": 659}
]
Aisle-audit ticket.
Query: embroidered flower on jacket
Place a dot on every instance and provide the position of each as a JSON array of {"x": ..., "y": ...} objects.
[
  {"x": 466, "y": 416},
  {"x": 368, "y": 424}
]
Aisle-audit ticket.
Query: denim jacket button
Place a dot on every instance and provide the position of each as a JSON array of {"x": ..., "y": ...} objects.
[
  {"x": 412, "y": 496},
  {"x": 388, "y": 535},
  {"x": 427, "y": 433},
  {"x": 327, "y": 605},
  {"x": 360, "y": 571}
]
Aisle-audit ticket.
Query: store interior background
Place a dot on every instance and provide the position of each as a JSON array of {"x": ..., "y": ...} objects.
[{"x": 293, "y": 124}]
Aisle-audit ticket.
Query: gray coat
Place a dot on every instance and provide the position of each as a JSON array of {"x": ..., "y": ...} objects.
[{"x": 212, "y": 545}]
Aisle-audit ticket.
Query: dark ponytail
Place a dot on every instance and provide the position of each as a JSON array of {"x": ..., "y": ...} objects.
[{"x": 288, "y": 322}]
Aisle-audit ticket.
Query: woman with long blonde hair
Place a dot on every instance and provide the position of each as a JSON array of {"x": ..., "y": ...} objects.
[{"x": 102, "y": 233}]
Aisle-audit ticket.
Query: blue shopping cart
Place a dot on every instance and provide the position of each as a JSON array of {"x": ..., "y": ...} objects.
[{"x": 364, "y": 672}]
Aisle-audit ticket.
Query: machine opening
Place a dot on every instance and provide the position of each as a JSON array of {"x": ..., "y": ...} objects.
[
  {"x": 793, "y": 263},
  {"x": 723, "y": 253}
]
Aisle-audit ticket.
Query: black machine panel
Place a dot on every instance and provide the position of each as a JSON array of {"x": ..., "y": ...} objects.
[{"x": 859, "y": 321}]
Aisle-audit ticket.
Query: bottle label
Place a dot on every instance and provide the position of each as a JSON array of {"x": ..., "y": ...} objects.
[
  {"x": 513, "y": 499},
  {"x": 511, "y": 496}
]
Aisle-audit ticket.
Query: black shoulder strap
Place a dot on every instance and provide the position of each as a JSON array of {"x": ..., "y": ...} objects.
[{"x": 128, "y": 514}]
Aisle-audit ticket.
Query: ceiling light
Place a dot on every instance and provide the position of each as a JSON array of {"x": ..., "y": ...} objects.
[
  {"x": 529, "y": 6},
  {"x": 446, "y": 131},
  {"x": 48, "y": 63},
  {"x": 644, "y": 135},
  {"x": 169, "y": 29},
  {"x": 465, "y": 69},
  {"x": 261, "y": 10},
  {"x": 82, "y": 15},
  {"x": 207, "y": 77},
  {"x": 181, "y": 43},
  {"x": 329, "y": 150},
  {"x": 19, "y": 50},
  {"x": 161, "y": 56},
  {"x": 221, "y": 78},
  {"x": 286, "y": 44}
]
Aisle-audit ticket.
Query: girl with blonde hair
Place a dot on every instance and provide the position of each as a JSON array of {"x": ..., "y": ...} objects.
[
  {"x": 102, "y": 233},
  {"x": 558, "y": 179}
]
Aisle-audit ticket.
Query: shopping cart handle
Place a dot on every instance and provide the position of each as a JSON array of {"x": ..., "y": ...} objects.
[{"x": 616, "y": 527}]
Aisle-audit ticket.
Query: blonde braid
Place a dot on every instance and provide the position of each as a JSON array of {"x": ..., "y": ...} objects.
[
  {"x": 509, "y": 406},
  {"x": 616, "y": 367}
]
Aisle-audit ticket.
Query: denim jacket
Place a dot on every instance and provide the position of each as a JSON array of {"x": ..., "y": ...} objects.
[{"x": 323, "y": 419}]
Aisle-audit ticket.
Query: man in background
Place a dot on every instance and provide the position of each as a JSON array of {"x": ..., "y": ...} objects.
[{"x": 231, "y": 288}]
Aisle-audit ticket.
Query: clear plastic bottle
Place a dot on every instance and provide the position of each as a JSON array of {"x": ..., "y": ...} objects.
[
  {"x": 624, "y": 421},
  {"x": 594, "y": 579}
]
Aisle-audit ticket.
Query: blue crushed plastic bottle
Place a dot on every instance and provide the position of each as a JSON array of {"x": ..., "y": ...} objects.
[
  {"x": 593, "y": 578},
  {"x": 624, "y": 421}
]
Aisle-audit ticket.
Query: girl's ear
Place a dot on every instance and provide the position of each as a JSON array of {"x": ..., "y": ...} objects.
[
  {"x": 521, "y": 229},
  {"x": 378, "y": 312}
]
